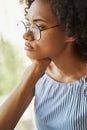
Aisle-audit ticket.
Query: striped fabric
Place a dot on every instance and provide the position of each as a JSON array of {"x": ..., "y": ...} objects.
[{"x": 60, "y": 106}]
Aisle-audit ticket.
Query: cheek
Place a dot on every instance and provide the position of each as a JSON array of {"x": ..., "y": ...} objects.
[
  {"x": 52, "y": 43},
  {"x": 53, "y": 37}
]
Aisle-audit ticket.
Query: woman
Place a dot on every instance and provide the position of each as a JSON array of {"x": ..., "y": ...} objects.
[{"x": 56, "y": 41}]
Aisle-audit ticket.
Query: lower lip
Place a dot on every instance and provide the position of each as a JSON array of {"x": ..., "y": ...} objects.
[{"x": 28, "y": 48}]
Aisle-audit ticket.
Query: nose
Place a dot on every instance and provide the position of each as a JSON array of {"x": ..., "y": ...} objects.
[{"x": 28, "y": 36}]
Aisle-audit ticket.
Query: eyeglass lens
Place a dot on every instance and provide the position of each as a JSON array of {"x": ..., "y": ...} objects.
[
  {"x": 33, "y": 28},
  {"x": 35, "y": 31}
]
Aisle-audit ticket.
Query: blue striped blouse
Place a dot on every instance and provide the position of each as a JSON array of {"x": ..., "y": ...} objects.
[{"x": 60, "y": 106}]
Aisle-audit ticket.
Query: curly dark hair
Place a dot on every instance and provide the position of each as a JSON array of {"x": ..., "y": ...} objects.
[{"x": 73, "y": 15}]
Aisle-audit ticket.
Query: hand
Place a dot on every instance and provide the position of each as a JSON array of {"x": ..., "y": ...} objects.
[{"x": 41, "y": 65}]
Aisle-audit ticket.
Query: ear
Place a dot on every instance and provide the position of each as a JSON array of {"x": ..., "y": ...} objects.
[{"x": 69, "y": 39}]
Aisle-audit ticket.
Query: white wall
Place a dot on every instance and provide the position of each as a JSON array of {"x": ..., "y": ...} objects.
[{"x": 11, "y": 11}]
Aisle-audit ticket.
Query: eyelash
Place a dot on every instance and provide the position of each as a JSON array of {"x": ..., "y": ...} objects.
[{"x": 41, "y": 27}]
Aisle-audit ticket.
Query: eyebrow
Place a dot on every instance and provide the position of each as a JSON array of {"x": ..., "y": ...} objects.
[{"x": 39, "y": 20}]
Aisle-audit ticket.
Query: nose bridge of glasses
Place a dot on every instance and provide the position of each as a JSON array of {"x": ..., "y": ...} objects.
[{"x": 27, "y": 27}]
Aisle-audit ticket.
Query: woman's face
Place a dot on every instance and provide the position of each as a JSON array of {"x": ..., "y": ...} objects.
[{"x": 52, "y": 41}]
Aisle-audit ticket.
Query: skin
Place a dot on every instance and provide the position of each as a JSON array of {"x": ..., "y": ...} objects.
[
  {"x": 58, "y": 47},
  {"x": 49, "y": 45},
  {"x": 52, "y": 53},
  {"x": 17, "y": 102}
]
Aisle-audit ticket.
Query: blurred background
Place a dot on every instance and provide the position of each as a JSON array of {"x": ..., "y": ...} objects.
[{"x": 13, "y": 59}]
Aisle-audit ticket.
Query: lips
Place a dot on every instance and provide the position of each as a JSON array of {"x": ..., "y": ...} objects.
[{"x": 28, "y": 46}]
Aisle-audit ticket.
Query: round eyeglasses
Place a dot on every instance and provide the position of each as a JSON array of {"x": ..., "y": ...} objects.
[{"x": 35, "y": 29}]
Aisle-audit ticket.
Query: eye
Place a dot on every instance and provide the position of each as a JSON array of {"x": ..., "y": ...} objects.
[{"x": 41, "y": 27}]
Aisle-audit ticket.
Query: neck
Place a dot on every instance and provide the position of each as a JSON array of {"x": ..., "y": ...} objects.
[{"x": 68, "y": 65}]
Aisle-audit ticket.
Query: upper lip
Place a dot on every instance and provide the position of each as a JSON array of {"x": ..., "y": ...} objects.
[{"x": 28, "y": 44}]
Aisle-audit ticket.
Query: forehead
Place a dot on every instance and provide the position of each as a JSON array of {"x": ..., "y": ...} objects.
[{"x": 42, "y": 9}]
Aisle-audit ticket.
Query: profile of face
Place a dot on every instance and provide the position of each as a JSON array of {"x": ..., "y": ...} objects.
[{"x": 52, "y": 41}]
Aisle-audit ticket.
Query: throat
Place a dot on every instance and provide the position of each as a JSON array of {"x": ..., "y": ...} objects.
[{"x": 68, "y": 74}]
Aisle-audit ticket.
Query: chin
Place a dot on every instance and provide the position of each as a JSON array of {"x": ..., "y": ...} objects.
[{"x": 35, "y": 57}]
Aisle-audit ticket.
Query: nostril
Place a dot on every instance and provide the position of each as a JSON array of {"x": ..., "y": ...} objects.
[{"x": 28, "y": 36}]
